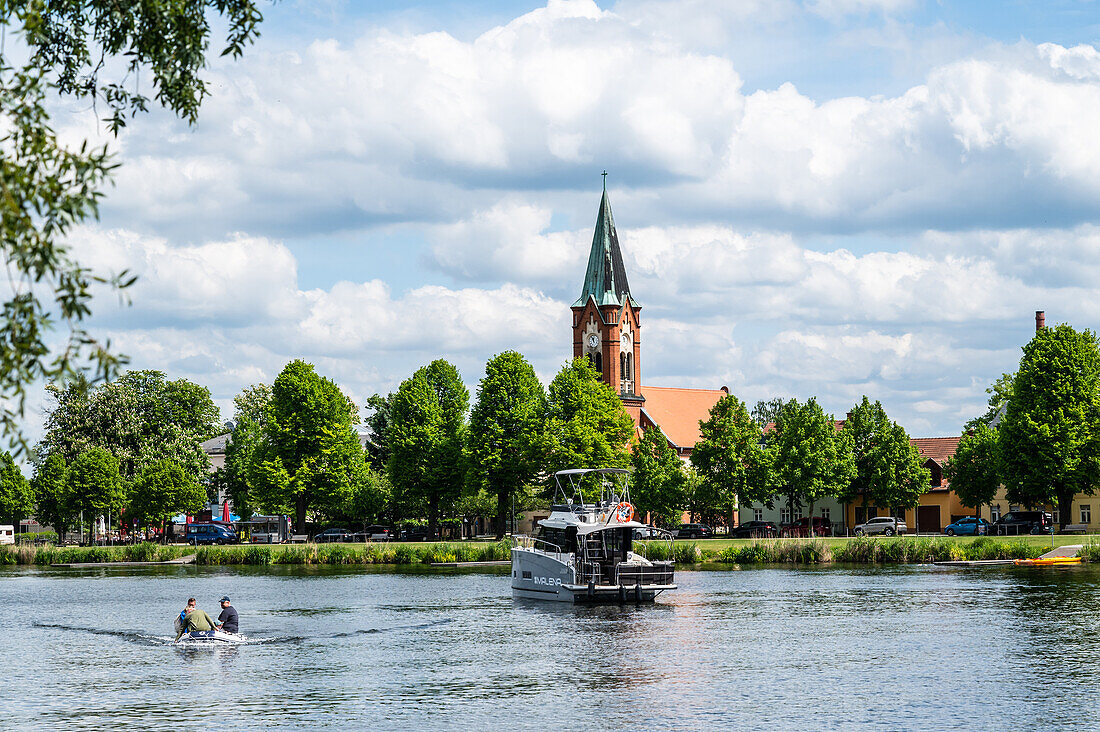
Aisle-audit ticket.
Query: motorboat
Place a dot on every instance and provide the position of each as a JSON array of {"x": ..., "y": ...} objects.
[
  {"x": 585, "y": 552},
  {"x": 209, "y": 636},
  {"x": 203, "y": 636}
]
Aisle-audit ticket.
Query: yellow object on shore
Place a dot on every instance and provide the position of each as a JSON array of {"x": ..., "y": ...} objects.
[{"x": 1048, "y": 562}]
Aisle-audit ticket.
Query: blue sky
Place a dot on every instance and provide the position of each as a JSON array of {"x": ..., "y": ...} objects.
[{"x": 826, "y": 198}]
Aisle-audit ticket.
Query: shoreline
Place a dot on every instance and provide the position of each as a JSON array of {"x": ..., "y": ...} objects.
[{"x": 839, "y": 550}]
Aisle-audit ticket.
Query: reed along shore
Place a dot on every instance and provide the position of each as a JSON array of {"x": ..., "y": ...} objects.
[{"x": 858, "y": 550}]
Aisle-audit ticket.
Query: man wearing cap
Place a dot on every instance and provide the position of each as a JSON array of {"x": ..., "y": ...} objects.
[{"x": 227, "y": 621}]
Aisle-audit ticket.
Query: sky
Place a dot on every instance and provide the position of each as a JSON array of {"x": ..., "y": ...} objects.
[{"x": 818, "y": 198}]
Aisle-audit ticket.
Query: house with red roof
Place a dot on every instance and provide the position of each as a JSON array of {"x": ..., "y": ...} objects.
[{"x": 939, "y": 506}]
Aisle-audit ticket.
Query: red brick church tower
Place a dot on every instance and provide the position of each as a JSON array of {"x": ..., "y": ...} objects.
[
  {"x": 607, "y": 330},
  {"x": 606, "y": 319}
]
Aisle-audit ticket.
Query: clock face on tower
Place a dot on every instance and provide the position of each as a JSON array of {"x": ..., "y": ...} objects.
[{"x": 593, "y": 340}]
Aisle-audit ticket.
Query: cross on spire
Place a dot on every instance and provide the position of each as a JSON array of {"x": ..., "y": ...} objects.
[{"x": 604, "y": 174}]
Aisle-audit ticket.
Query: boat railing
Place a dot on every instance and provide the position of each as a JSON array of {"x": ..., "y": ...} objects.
[{"x": 522, "y": 541}]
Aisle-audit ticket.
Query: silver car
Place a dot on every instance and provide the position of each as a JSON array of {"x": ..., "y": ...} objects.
[{"x": 885, "y": 525}]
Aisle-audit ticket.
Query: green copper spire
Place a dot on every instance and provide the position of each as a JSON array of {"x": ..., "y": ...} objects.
[{"x": 606, "y": 277}]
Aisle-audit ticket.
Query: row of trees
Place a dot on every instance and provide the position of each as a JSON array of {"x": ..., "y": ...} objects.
[
  {"x": 132, "y": 445},
  {"x": 791, "y": 453},
  {"x": 129, "y": 447},
  {"x": 1040, "y": 438},
  {"x": 428, "y": 454}
]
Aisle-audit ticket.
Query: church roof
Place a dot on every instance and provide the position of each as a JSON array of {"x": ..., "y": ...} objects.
[
  {"x": 605, "y": 279},
  {"x": 678, "y": 411}
]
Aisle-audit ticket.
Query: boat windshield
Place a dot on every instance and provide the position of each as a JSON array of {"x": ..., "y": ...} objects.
[{"x": 556, "y": 540}]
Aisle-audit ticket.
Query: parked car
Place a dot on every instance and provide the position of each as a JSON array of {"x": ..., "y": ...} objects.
[
  {"x": 416, "y": 533},
  {"x": 969, "y": 526},
  {"x": 650, "y": 532},
  {"x": 801, "y": 527},
  {"x": 694, "y": 531},
  {"x": 756, "y": 530},
  {"x": 885, "y": 525},
  {"x": 333, "y": 535},
  {"x": 378, "y": 533},
  {"x": 1023, "y": 522},
  {"x": 210, "y": 534}
]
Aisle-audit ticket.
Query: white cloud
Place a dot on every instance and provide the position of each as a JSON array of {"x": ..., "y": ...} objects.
[{"x": 976, "y": 188}]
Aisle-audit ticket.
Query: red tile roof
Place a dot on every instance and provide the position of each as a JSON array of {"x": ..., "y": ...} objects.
[
  {"x": 678, "y": 411},
  {"x": 940, "y": 449}
]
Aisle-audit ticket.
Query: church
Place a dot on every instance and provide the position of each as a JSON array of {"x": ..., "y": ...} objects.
[{"x": 607, "y": 330}]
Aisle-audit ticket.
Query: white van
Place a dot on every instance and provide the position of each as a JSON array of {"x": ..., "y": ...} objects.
[{"x": 7, "y": 534}]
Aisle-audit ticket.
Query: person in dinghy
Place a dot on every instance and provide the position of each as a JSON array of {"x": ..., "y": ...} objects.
[{"x": 195, "y": 622}]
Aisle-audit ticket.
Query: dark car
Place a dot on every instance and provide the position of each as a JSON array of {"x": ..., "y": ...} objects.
[
  {"x": 379, "y": 533},
  {"x": 694, "y": 531},
  {"x": 1023, "y": 522},
  {"x": 210, "y": 534},
  {"x": 415, "y": 533},
  {"x": 756, "y": 530},
  {"x": 376, "y": 532},
  {"x": 801, "y": 527},
  {"x": 333, "y": 535}
]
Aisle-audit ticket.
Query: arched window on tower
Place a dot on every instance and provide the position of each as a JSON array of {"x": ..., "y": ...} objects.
[
  {"x": 597, "y": 361},
  {"x": 626, "y": 372}
]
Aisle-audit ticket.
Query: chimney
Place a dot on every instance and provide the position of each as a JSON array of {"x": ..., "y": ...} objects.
[{"x": 1040, "y": 320}]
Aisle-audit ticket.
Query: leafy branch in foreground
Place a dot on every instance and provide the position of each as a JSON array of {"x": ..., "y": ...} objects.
[{"x": 84, "y": 49}]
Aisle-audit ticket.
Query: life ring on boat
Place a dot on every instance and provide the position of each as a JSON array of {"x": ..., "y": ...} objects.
[{"x": 624, "y": 512}]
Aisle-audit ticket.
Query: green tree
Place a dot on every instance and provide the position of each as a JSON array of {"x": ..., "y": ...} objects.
[
  {"x": 1000, "y": 392},
  {"x": 378, "y": 448},
  {"x": 974, "y": 470},
  {"x": 586, "y": 425},
  {"x": 506, "y": 428},
  {"x": 1049, "y": 438},
  {"x": 659, "y": 480},
  {"x": 140, "y": 418},
  {"x": 731, "y": 464},
  {"x": 810, "y": 458},
  {"x": 162, "y": 490},
  {"x": 767, "y": 412},
  {"x": 309, "y": 457},
  {"x": 249, "y": 418},
  {"x": 370, "y": 498},
  {"x": 16, "y": 496},
  {"x": 96, "y": 52},
  {"x": 888, "y": 467},
  {"x": 51, "y": 506},
  {"x": 93, "y": 484},
  {"x": 426, "y": 435}
]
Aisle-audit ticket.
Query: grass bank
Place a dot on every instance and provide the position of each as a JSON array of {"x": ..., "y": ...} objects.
[
  {"x": 903, "y": 549},
  {"x": 857, "y": 550},
  {"x": 411, "y": 553},
  {"x": 370, "y": 553},
  {"x": 45, "y": 555}
]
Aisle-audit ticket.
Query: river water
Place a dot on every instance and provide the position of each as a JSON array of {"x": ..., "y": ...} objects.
[{"x": 826, "y": 648}]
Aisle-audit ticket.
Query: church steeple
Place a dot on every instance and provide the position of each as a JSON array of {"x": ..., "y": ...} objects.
[
  {"x": 606, "y": 319},
  {"x": 605, "y": 278}
]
